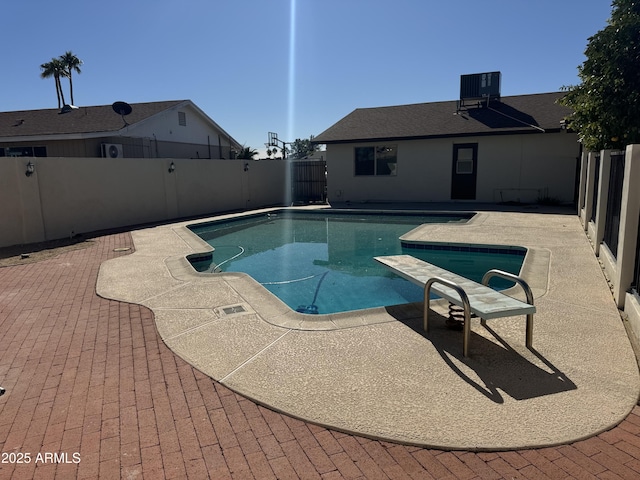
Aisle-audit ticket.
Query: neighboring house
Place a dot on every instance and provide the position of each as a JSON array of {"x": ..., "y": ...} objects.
[
  {"x": 171, "y": 129},
  {"x": 509, "y": 149}
]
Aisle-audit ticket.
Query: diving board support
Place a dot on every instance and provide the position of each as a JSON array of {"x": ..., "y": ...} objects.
[
  {"x": 466, "y": 329},
  {"x": 527, "y": 291}
]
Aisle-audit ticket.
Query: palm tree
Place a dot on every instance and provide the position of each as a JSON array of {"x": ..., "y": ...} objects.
[
  {"x": 55, "y": 69},
  {"x": 247, "y": 153},
  {"x": 71, "y": 63}
]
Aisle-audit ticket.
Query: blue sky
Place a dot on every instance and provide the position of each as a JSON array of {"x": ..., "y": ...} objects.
[{"x": 294, "y": 67}]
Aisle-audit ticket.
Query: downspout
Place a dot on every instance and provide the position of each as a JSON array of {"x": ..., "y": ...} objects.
[
  {"x": 209, "y": 146},
  {"x": 219, "y": 147}
]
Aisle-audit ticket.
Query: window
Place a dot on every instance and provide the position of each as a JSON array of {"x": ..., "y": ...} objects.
[
  {"x": 378, "y": 160},
  {"x": 464, "y": 173},
  {"x": 182, "y": 119},
  {"x": 24, "y": 151},
  {"x": 464, "y": 162},
  {"x": 365, "y": 162}
]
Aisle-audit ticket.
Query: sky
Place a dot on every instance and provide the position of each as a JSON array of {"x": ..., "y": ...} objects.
[{"x": 293, "y": 67}]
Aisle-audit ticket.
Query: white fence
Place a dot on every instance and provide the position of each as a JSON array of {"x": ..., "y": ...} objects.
[
  {"x": 609, "y": 208},
  {"x": 68, "y": 196}
]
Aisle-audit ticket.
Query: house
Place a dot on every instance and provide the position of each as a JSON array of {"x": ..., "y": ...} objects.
[
  {"x": 481, "y": 148},
  {"x": 169, "y": 129}
]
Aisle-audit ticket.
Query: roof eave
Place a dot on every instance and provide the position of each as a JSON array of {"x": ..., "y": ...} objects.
[
  {"x": 59, "y": 136},
  {"x": 433, "y": 137}
]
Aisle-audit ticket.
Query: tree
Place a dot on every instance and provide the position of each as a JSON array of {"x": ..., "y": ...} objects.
[
  {"x": 247, "y": 153},
  {"x": 71, "y": 63},
  {"x": 607, "y": 103},
  {"x": 300, "y": 148},
  {"x": 55, "y": 69},
  {"x": 274, "y": 151}
]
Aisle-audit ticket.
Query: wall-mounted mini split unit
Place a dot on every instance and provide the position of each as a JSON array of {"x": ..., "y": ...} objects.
[{"x": 112, "y": 150}]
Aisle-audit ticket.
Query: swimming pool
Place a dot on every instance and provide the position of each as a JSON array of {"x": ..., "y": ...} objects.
[{"x": 322, "y": 261}]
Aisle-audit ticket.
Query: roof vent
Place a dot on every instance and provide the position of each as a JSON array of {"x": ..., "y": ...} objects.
[
  {"x": 480, "y": 87},
  {"x": 68, "y": 108}
]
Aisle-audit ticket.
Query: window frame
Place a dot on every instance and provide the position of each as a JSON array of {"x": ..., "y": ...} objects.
[
  {"x": 28, "y": 151},
  {"x": 375, "y": 156}
]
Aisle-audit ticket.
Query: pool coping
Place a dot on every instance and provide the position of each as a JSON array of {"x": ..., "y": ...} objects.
[
  {"x": 234, "y": 330},
  {"x": 534, "y": 268}
]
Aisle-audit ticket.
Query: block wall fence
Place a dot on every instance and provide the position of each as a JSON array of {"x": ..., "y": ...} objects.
[
  {"x": 609, "y": 209},
  {"x": 67, "y": 196}
]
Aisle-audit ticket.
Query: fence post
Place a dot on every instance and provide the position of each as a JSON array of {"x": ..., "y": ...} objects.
[
  {"x": 603, "y": 197},
  {"x": 584, "y": 161},
  {"x": 629, "y": 217},
  {"x": 590, "y": 190}
]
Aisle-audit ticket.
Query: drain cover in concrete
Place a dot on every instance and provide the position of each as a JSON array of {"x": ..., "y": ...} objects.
[{"x": 233, "y": 309}]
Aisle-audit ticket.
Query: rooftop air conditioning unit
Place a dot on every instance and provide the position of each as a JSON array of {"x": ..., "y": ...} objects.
[
  {"x": 480, "y": 86},
  {"x": 112, "y": 150}
]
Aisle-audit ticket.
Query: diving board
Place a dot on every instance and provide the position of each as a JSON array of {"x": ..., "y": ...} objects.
[{"x": 475, "y": 298}]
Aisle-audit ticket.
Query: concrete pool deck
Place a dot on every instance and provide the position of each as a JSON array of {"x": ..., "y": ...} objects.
[{"x": 373, "y": 372}]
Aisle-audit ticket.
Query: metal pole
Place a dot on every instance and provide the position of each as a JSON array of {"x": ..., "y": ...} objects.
[
  {"x": 527, "y": 291},
  {"x": 465, "y": 304}
]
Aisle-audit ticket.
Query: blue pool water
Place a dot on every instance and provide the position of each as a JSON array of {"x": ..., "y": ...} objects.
[{"x": 322, "y": 262}]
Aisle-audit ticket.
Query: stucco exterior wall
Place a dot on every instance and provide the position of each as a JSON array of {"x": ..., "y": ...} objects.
[
  {"x": 510, "y": 168},
  {"x": 165, "y": 126},
  {"x": 68, "y": 196}
]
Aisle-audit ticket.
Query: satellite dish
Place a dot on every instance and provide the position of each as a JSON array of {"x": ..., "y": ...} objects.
[{"x": 122, "y": 109}]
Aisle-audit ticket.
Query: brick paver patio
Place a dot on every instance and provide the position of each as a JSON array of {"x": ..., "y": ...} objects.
[{"x": 92, "y": 392}]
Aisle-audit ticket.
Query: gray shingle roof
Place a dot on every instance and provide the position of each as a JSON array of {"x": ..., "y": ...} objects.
[
  {"x": 515, "y": 114},
  {"x": 83, "y": 120}
]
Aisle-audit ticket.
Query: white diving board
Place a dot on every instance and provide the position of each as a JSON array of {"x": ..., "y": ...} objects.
[{"x": 476, "y": 298}]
